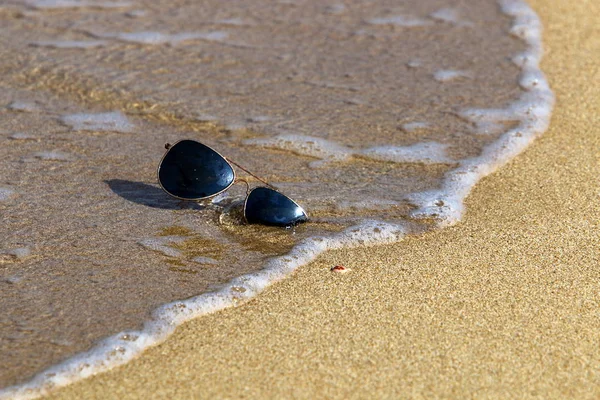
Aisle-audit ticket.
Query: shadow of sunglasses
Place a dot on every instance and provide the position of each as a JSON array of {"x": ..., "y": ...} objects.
[{"x": 192, "y": 171}]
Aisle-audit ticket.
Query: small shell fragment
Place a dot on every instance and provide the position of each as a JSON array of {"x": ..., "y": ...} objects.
[{"x": 340, "y": 269}]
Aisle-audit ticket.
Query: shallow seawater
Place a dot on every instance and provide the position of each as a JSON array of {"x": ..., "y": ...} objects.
[{"x": 376, "y": 116}]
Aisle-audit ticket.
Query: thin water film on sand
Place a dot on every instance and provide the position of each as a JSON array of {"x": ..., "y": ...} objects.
[{"x": 377, "y": 117}]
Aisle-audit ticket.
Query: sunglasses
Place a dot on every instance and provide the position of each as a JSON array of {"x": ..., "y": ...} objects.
[{"x": 192, "y": 171}]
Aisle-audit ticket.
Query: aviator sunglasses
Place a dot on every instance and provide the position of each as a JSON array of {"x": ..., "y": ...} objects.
[{"x": 192, "y": 171}]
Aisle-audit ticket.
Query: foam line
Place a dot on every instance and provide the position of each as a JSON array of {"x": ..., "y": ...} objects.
[
  {"x": 407, "y": 21},
  {"x": 327, "y": 151},
  {"x": 61, "y": 4},
  {"x": 446, "y": 75},
  {"x": 70, "y": 44},
  {"x": 100, "y": 122},
  {"x": 532, "y": 111},
  {"x": 158, "y": 38}
]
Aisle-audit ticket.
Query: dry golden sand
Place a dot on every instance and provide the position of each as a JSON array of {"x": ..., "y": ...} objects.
[{"x": 504, "y": 305}]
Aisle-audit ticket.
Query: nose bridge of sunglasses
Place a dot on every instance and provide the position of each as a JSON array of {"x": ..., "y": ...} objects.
[
  {"x": 238, "y": 179},
  {"x": 249, "y": 173}
]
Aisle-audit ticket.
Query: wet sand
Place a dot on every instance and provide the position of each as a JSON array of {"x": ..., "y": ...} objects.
[
  {"x": 502, "y": 305},
  {"x": 91, "y": 245}
]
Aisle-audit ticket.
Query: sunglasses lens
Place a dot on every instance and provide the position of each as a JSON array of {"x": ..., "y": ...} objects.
[
  {"x": 193, "y": 171},
  {"x": 269, "y": 207}
]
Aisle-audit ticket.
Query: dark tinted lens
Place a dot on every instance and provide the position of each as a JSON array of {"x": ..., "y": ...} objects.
[
  {"x": 192, "y": 171},
  {"x": 269, "y": 207}
]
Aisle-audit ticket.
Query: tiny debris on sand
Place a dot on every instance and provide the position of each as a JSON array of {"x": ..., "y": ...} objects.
[{"x": 339, "y": 269}]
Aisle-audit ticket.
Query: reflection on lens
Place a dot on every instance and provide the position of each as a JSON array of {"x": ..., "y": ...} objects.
[
  {"x": 269, "y": 207},
  {"x": 193, "y": 171}
]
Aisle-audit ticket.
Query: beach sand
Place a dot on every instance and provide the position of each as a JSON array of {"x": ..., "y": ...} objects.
[{"x": 502, "y": 305}]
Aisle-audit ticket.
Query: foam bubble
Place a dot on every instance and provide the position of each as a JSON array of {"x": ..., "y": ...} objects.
[
  {"x": 414, "y": 63},
  {"x": 5, "y": 193},
  {"x": 328, "y": 151},
  {"x": 162, "y": 245},
  {"x": 369, "y": 204},
  {"x": 449, "y": 15},
  {"x": 425, "y": 153},
  {"x": 232, "y": 21},
  {"x": 205, "y": 260},
  {"x": 414, "y": 126},
  {"x": 305, "y": 145},
  {"x": 407, "y": 21},
  {"x": 23, "y": 136},
  {"x": 136, "y": 13},
  {"x": 70, "y": 44},
  {"x": 259, "y": 119},
  {"x": 24, "y": 106},
  {"x": 20, "y": 252},
  {"x": 101, "y": 122},
  {"x": 157, "y": 38},
  {"x": 446, "y": 75},
  {"x": 58, "y": 4},
  {"x": 13, "y": 256},
  {"x": 52, "y": 156},
  {"x": 13, "y": 280}
]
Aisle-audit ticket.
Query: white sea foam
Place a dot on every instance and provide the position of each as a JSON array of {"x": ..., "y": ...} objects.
[
  {"x": 205, "y": 260},
  {"x": 532, "y": 113},
  {"x": 414, "y": 63},
  {"x": 486, "y": 122},
  {"x": 24, "y": 106},
  {"x": 5, "y": 193},
  {"x": 259, "y": 119},
  {"x": 58, "y": 4},
  {"x": 157, "y": 38},
  {"x": 23, "y": 136},
  {"x": 407, "y": 21},
  {"x": 327, "y": 151},
  {"x": 70, "y": 44},
  {"x": 305, "y": 145},
  {"x": 450, "y": 15},
  {"x": 368, "y": 204},
  {"x": 114, "y": 121},
  {"x": 162, "y": 245},
  {"x": 446, "y": 75},
  {"x": 414, "y": 126},
  {"x": 13, "y": 280},
  {"x": 20, "y": 252},
  {"x": 425, "y": 153},
  {"x": 136, "y": 13},
  {"x": 53, "y": 156},
  {"x": 232, "y": 21}
]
